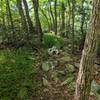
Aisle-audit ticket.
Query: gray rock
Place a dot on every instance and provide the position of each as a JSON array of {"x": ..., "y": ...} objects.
[
  {"x": 97, "y": 66},
  {"x": 45, "y": 66},
  {"x": 95, "y": 88},
  {"x": 45, "y": 81},
  {"x": 77, "y": 65}
]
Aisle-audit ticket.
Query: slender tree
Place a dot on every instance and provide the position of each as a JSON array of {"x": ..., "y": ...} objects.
[
  {"x": 83, "y": 84},
  {"x": 29, "y": 21},
  {"x": 63, "y": 15},
  {"x": 59, "y": 16},
  {"x": 7, "y": 17},
  {"x": 51, "y": 13},
  {"x": 10, "y": 15},
  {"x": 69, "y": 17},
  {"x": 37, "y": 19},
  {"x": 50, "y": 18},
  {"x": 46, "y": 17},
  {"x": 22, "y": 15},
  {"x": 55, "y": 22},
  {"x": 73, "y": 23},
  {"x": 3, "y": 14},
  {"x": 82, "y": 24}
]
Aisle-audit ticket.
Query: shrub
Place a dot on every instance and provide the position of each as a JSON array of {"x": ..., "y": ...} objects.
[{"x": 50, "y": 39}]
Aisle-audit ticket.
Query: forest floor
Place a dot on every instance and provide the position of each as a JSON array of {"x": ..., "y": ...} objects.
[{"x": 27, "y": 74}]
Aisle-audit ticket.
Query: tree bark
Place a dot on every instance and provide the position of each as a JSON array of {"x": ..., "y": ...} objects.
[
  {"x": 63, "y": 15},
  {"x": 22, "y": 15},
  {"x": 29, "y": 21},
  {"x": 50, "y": 19},
  {"x": 83, "y": 84},
  {"x": 69, "y": 18},
  {"x": 55, "y": 22},
  {"x": 82, "y": 25},
  {"x": 73, "y": 22},
  {"x": 10, "y": 15},
  {"x": 52, "y": 16},
  {"x": 46, "y": 17},
  {"x": 3, "y": 15},
  {"x": 37, "y": 19}
]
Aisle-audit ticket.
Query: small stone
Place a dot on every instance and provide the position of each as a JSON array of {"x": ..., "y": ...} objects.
[
  {"x": 45, "y": 66},
  {"x": 77, "y": 65},
  {"x": 46, "y": 90},
  {"x": 70, "y": 68},
  {"x": 45, "y": 82},
  {"x": 55, "y": 63}
]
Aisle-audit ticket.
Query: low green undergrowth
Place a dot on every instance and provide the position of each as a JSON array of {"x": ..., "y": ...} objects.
[
  {"x": 50, "y": 39},
  {"x": 16, "y": 74}
]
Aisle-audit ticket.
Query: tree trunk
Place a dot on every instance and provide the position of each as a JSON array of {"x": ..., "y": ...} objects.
[
  {"x": 73, "y": 22},
  {"x": 82, "y": 25},
  {"x": 46, "y": 17},
  {"x": 30, "y": 24},
  {"x": 3, "y": 15},
  {"x": 59, "y": 17},
  {"x": 63, "y": 15},
  {"x": 7, "y": 16},
  {"x": 23, "y": 19},
  {"x": 83, "y": 84},
  {"x": 50, "y": 19},
  {"x": 10, "y": 15},
  {"x": 37, "y": 19},
  {"x": 69, "y": 19},
  {"x": 51, "y": 13},
  {"x": 55, "y": 22}
]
